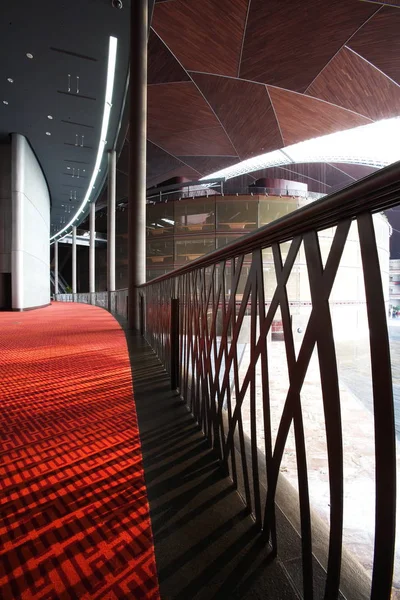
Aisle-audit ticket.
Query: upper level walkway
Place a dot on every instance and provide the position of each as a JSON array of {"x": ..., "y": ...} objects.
[{"x": 74, "y": 506}]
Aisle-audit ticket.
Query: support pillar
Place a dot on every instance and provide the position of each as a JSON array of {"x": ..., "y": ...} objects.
[
  {"x": 55, "y": 267},
  {"x": 17, "y": 211},
  {"x": 137, "y": 158},
  {"x": 111, "y": 206},
  {"x": 74, "y": 290},
  {"x": 92, "y": 252}
]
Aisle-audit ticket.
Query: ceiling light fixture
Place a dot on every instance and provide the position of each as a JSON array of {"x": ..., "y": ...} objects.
[
  {"x": 48, "y": 133},
  {"x": 29, "y": 55},
  {"x": 50, "y": 117},
  {"x": 112, "y": 58},
  {"x": 5, "y": 102},
  {"x": 10, "y": 80}
]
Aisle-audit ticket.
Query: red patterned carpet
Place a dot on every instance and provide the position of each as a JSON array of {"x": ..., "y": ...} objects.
[{"x": 74, "y": 520}]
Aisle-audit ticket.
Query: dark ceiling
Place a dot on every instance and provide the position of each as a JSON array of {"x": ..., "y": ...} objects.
[{"x": 69, "y": 38}]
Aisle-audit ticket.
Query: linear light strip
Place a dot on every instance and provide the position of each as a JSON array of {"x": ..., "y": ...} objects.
[{"x": 112, "y": 59}]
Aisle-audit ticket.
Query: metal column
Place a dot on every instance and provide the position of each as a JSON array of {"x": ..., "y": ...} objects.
[
  {"x": 111, "y": 206},
  {"x": 137, "y": 158},
  {"x": 55, "y": 267},
  {"x": 92, "y": 252},
  {"x": 74, "y": 260}
]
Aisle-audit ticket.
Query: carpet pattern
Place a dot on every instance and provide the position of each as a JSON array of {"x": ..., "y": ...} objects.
[{"x": 74, "y": 515}]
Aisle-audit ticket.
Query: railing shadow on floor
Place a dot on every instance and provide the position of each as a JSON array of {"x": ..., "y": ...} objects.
[{"x": 196, "y": 318}]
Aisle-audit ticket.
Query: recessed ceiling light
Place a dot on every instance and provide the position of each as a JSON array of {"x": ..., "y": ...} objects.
[
  {"x": 10, "y": 80},
  {"x": 48, "y": 133},
  {"x": 68, "y": 167},
  {"x": 29, "y": 55},
  {"x": 50, "y": 117},
  {"x": 5, "y": 102}
]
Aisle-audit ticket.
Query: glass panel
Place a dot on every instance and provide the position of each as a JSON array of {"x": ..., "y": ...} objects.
[{"x": 237, "y": 214}]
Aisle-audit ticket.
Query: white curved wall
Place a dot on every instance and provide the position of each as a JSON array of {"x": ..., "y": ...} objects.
[{"x": 30, "y": 228}]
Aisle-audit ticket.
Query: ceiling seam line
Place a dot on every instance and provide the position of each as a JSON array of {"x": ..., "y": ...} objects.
[
  {"x": 372, "y": 65},
  {"x": 173, "y": 155},
  {"x": 243, "y": 39},
  {"x": 301, "y": 174},
  {"x": 340, "y": 49},
  {"x": 276, "y": 116},
  {"x": 199, "y": 90},
  {"x": 270, "y": 85},
  {"x": 344, "y": 172}
]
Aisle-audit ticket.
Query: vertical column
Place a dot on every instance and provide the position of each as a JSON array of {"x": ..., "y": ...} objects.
[
  {"x": 137, "y": 158},
  {"x": 74, "y": 260},
  {"x": 111, "y": 205},
  {"x": 55, "y": 267},
  {"x": 17, "y": 208},
  {"x": 92, "y": 252}
]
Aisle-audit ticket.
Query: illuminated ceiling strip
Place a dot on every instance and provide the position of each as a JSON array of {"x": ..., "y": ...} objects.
[
  {"x": 112, "y": 58},
  {"x": 375, "y": 145}
]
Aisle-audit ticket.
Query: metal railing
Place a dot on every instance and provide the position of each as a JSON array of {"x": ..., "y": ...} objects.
[{"x": 194, "y": 319}]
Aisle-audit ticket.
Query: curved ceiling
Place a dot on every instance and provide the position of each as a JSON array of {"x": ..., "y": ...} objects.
[
  {"x": 66, "y": 80},
  {"x": 231, "y": 80}
]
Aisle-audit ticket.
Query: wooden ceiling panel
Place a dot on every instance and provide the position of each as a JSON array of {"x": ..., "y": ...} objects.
[
  {"x": 204, "y": 36},
  {"x": 245, "y": 112},
  {"x": 159, "y": 162},
  {"x": 209, "y": 164},
  {"x": 343, "y": 78},
  {"x": 288, "y": 43},
  {"x": 355, "y": 171},
  {"x": 198, "y": 142},
  {"x": 162, "y": 65},
  {"x": 303, "y": 117},
  {"x": 379, "y": 41},
  {"x": 177, "y": 107}
]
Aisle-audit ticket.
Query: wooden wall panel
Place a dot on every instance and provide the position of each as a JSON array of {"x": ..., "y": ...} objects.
[
  {"x": 162, "y": 65},
  {"x": 288, "y": 43},
  {"x": 355, "y": 171},
  {"x": 352, "y": 82},
  {"x": 379, "y": 41},
  {"x": 303, "y": 117},
  {"x": 245, "y": 112},
  {"x": 204, "y": 35}
]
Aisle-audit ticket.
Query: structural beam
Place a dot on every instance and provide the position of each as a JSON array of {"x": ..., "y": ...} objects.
[
  {"x": 137, "y": 158},
  {"x": 92, "y": 251},
  {"x": 56, "y": 267},
  {"x": 111, "y": 207},
  {"x": 74, "y": 289}
]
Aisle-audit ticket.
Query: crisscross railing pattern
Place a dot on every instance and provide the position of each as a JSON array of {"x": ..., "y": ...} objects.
[{"x": 222, "y": 297}]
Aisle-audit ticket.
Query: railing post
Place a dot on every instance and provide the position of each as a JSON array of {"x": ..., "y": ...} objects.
[
  {"x": 174, "y": 343},
  {"x": 142, "y": 315}
]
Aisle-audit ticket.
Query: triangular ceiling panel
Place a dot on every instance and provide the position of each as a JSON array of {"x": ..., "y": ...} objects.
[
  {"x": 379, "y": 42},
  {"x": 209, "y": 164},
  {"x": 288, "y": 43},
  {"x": 162, "y": 65},
  {"x": 181, "y": 121},
  {"x": 245, "y": 112},
  {"x": 204, "y": 35},
  {"x": 198, "y": 142},
  {"x": 343, "y": 78},
  {"x": 302, "y": 117}
]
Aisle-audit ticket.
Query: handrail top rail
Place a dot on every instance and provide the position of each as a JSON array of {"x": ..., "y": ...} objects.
[{"x": 374, "y": 193}]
